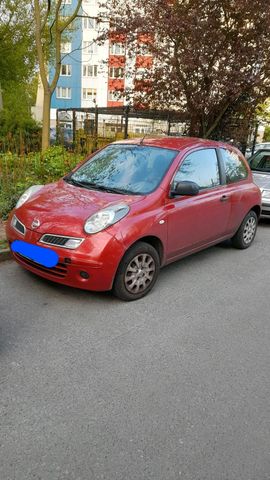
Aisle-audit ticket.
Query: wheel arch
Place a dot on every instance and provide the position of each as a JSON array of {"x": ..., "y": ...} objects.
[
  {"x": 257, "y": 209},
  {"x": 155, "y": 242},
  {"x": 151, "y": 240}
]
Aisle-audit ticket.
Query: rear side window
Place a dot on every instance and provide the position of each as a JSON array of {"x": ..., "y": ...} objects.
[
  {"x": 200, "y": 167},
  {"x": 235, "y": 169}
]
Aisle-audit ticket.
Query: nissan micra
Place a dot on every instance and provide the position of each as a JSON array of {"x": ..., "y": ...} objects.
[{"x": 132, "y": 208}]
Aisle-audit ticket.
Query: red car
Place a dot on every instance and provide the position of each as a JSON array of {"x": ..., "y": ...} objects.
[{"x": 132, "y": 208}]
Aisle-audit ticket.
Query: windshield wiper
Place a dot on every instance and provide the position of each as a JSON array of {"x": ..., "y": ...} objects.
[
  {"x": 103, "y": 188},
  {"x": 76, "y": 182},
  {"x": 96, "y": 186}
]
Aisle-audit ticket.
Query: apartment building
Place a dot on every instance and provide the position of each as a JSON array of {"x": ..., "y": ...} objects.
[{"x": 91, "y": 73}]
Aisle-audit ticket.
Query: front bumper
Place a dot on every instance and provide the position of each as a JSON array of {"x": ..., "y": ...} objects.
[{"x": 98, "y": 257}]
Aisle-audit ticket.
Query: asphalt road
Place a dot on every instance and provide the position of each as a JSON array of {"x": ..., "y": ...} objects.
[{"x": 174, "y": 386}]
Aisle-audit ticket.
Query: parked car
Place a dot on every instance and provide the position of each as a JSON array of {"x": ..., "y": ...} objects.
[
  {"x": 258, "y": 146},
  {"x": 131, "y": 208},
  {"x": 260, "y": 166}
]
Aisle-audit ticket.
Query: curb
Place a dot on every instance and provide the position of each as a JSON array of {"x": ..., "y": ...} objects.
[{"x": 5, "y": 255}]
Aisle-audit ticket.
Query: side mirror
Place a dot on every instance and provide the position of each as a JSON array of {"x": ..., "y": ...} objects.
[{"x": 185, "y": 188}]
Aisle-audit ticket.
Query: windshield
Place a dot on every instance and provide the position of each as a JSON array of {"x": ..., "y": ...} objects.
[
  {"x": 261, "y": 161},
  {"x": 133, "y": 169}
]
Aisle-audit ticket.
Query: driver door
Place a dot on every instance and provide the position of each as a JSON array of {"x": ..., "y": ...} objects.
[{"x": 198, "y": 220}]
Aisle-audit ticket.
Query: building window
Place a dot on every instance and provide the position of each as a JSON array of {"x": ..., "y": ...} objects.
[
  {"x": 90, "y": 70},
  {"x": 89, "y": 23},
  {"x": 116, "y": 72},
  {"x": 89, "y": 94},
  {"x": 143, "y": 49},
  {"x": 141, "y": 73},
  {"x": 63, "y": 92},
  {"x": 115, "y": 96},
  {"x": 89, "y": 47},
  {"x": 66, "y": 47},
  {"x": 65, "y": 70},
  {"x": 117, "y": 49}
]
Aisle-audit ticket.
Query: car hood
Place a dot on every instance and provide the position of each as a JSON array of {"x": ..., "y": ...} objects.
[
  {"x": 262, "y": 179},
  {"x": 62, "y": 208}
]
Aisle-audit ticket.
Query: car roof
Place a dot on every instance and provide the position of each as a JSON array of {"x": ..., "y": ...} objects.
[
  {"x": 264, "y": 149},
  {"x": 176, "y": 143}
]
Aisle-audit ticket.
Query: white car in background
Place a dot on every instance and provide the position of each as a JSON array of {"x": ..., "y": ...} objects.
[
  {"x": 260, "y": 167},
  {"x": 258, "y": 146}
]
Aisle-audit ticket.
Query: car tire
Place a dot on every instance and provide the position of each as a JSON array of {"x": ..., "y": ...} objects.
[
  {"x": 246, "y": 232},
  {"x": 137, "y": 272}
]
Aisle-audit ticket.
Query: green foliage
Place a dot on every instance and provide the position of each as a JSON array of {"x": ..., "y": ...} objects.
[
  {"x": 18, "y": 130},
  {"x": 17, "y": 72},
  {"x": 18, "y": 173},
  {"x": 17, "y": 46},
  {"x": 266, "y": 136}
]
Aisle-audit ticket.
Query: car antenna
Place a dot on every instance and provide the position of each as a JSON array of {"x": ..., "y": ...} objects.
[{"x": 141, "y": 141}]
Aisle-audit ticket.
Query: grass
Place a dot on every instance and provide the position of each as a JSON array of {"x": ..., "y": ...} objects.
[{"x": 18, "y": 173}]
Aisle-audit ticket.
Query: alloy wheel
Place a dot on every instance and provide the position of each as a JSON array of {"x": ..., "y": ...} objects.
[
  {"x": 140, "y": 273},
  {"x": 249, "y": 230}
]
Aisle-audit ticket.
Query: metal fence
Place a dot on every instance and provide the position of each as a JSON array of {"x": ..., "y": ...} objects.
[{"x": 86, "y": 129}]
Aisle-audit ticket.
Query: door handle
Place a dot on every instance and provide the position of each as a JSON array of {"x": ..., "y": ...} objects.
[{"x": 224, "y": 198}]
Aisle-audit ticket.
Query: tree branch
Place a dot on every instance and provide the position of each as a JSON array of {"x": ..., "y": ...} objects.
[
  {"x": 71, "y": 17},
  {"x": 46, "y": 16}
]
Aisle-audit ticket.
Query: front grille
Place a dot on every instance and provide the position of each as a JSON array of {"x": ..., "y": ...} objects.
[
  {"x": 19, "y": 226},
  {"x": 60, "y": 270},
  {"x": 58, "y": 240},
  {"x": 54, "y": 240}
]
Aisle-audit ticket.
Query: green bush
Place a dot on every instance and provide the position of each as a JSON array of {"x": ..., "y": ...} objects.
[
  {"x": 266, "y": 137},
  {"x": 18, "y": 173}
]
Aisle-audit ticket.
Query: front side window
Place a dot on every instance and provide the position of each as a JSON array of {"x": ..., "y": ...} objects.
[
  {"x": 261, "y": 161},
  {"x": 235, "y": 169},
  {"x": 135, "y": 169},
  {"x": 200, "y": 167}
]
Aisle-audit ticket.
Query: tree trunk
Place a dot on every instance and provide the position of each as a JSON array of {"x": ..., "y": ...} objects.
[
  {"x": 46, "y": 121},
  {"x": 193, "y": 127}
]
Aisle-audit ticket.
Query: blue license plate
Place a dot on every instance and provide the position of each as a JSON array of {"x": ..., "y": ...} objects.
[{"x": 44, "y": 256}]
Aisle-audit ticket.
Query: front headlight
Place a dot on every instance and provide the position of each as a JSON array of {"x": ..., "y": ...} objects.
[
  {"x": 27, "y": 194},
  {"x": 106, "y": 217}
]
